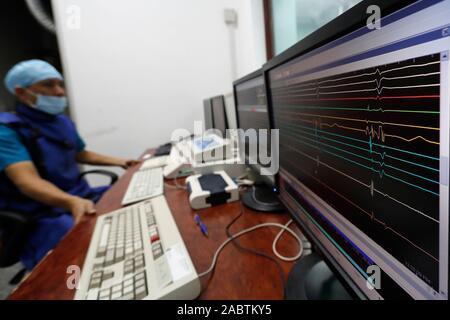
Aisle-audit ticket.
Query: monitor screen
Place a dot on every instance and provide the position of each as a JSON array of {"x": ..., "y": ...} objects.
[
  {"x": 251, "y": 111},
  {"x": 364, "y": 150},
  {"x": 219, "y": 115},
  {"x": 207, "y": 114}
]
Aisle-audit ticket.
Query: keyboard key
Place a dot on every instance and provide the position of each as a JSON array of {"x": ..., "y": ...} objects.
[
  {"x": 129, "y": 266},
  {"x": 128, "y": 296},
  {"x": 157, "y": 253},
  {"x": 116, "y": 295},
  {"x": 119, "y": 257},
  {"x": 137, "y": 245},
  {"x": 109, "y": 257},
  {"x": 128, "y": 282},
  {"x": 138, "y": 266},
  {"x": 128, "y": 289},
  {"x": 92, "y": 294},
  {"x": 98, "y": 266},
  {"x": 140, "y": 292},
  {"x": 105, "y": 293},
  {"x": 128, "y": 270},
  {"x": 96, "y": 280},
  {"x": 108, "y": 275},
  {"x": 139, "y": 276},
  {"x": 101, "y": 252},
  {"x": 117, "y": 288}
]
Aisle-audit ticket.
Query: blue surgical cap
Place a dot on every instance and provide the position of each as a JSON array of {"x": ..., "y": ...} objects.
[{"x": 26, "y": 73}]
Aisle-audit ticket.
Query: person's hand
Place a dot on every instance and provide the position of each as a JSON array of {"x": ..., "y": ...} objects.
[
  {"x": 126, "y": 164},
  {"x": 79, "y": 207}
]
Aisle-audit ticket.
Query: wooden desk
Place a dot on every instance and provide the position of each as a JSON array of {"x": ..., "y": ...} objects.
[{"x": 238, "y": 275}]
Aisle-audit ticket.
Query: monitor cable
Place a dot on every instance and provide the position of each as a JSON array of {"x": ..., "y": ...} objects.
[{"x": 263, "y": 225}]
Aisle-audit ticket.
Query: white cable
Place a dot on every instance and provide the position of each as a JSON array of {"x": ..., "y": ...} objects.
[
  {"x": 240, "y": 233},
  {"x": 274, "y": 245},
  {"x": 178, "y": 186},
  {"x": 244, "y": 182},
  {"x": 170, "y": 186}
]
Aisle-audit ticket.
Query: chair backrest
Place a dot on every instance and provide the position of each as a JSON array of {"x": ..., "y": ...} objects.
[{"x": 15, "y": 229}]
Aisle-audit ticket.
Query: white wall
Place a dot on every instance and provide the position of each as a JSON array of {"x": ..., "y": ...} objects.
[{"x": 138, "y": 69}]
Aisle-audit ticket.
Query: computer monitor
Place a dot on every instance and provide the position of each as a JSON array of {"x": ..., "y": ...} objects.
[
  {"x": 219, "y": 115},
  {"x": 207, "y": 114},
  {"x": 230, "y": 110},
  {"x": 363, "y": 116},
  {"x": 252, "y": 113}
]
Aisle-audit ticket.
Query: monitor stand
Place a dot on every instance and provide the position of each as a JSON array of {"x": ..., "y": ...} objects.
[
  {"x": 261, "y": 197},
  {"x": 311, "y": 279}
]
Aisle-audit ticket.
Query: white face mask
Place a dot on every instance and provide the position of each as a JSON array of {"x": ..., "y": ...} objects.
[{"x": 50, "y": 104}]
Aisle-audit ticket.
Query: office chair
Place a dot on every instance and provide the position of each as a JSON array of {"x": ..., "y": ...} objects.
[{"x": 15, "y": 228}]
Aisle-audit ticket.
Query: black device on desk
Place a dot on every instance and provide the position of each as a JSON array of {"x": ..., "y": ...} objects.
[
  {"x": 252, "y": 114},
  {"x": 363, "y": 115},
  {"x": 163, "y": 150}
]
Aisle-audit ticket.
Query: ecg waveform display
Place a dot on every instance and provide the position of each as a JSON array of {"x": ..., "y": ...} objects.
[{"x": 367, "y": 143}]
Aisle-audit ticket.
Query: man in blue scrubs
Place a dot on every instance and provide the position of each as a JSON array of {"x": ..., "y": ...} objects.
[{"x": 40, "y": 150}]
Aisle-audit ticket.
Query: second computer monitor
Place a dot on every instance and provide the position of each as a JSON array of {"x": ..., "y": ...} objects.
[
  {"x": 218, "y": 113},
  {"x": 253, "y": 121},
  {"x": 207, "y": 114},
  {"x": 252, "y": 114}
]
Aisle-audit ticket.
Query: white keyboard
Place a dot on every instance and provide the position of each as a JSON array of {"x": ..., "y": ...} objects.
[
  {"x": 154, "y": 162},
  {"x": 138, "y": 253},
  {"x": 144, "y": 184}
]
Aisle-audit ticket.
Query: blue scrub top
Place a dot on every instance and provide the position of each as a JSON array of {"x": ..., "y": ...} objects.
[{"x": 13, "y": 151}]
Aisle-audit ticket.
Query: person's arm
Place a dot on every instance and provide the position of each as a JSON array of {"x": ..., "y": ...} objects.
[
  {"x": 92, "y": 158},
  {"x": 27, "y": 179}
]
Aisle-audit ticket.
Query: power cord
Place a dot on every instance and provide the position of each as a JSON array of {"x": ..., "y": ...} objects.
[
  {"x": 244, "y": 182},
  {"x": 170, "y": 186},
  {"x": 275, "y": 241},
  {"x": 240, "y": 233}
]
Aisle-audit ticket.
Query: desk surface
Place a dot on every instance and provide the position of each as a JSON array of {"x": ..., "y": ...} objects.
[{"x": 238, "y": 274}]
